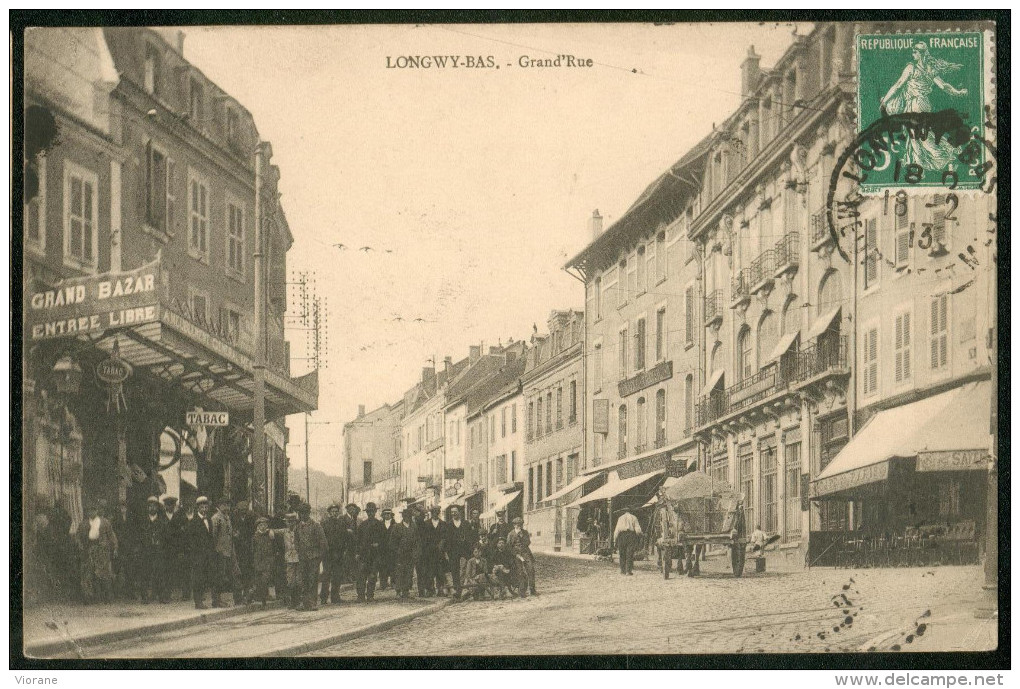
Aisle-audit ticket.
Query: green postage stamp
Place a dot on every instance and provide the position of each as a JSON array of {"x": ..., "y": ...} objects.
[{"x": 923, "y": 95}]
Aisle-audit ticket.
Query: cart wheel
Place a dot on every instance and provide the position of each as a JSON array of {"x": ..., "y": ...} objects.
[{"x": 737, "y": 559}]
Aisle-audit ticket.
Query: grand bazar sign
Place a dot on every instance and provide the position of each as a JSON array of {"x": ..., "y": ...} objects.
[{"x": 92, "y": 304}]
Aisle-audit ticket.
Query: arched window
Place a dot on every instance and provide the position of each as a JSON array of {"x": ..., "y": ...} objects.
[
  {"x": 688, "y": 404},
  {"x": 660, "y": 418},
  {"x": 830, "y": 292},
  {"x": 768, "y": 336},
  {"x": 642, "y": 425},
  {"x": 623, "y": 431},
  {"x": 716, "y": 359},
  {"x": 745, "y": 355},
  {"x": 791, "y": 315}
]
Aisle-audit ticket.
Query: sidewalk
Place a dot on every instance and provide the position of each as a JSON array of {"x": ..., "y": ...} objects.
[
  {"x": 133, "y": 630},
  {"x": 55, "y": 628}
]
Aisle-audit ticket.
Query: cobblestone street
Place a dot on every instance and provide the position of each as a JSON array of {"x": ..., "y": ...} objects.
[{"x": 588, "y": 607}]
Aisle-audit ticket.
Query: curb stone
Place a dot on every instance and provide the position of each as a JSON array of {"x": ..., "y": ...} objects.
[
  {"x": 48, "y": 649},
  {"x": 357, "y": 633}
]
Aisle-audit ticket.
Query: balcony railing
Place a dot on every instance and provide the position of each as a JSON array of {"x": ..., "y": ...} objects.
[
  {"x": 788, "y": 251},
  {"x": 740, "y": 286},
  {"x": 817, "y": 358},
  {"x": 819, "y": 228},
  {"x": 763, "y": 268},
  {"x": 713, "y": 306}
]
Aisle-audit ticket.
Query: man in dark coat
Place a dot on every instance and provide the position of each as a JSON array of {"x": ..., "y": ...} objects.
[
  {"x": 332, "y": 563},
  {"x": 243, "y": 522},
  {"x": 153, "y": 531},
  {"x": 519, "y": 543},
  {"x": 310, "y": 542},
  {"x": 500, "y": 529},
  {"x": 387, "y": 560},
  {"x": 401, "y": 543},
  {"x": 178, "y": 570},
  {"x": 202, "y": 552},
  {"x": 350, "y": 543},
  {"x": 460, "y": 542},
  {"x": 503, "y": 574},
  {"x": 433, "y": 555},
  {"x": 371, "y": 540},
  {"x": 125, "y": 582}
]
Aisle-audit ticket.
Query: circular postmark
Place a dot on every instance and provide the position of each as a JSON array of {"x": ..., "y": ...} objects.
[{"x": 882, "y": 145}]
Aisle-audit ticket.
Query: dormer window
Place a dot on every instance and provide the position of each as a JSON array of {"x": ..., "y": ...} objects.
[
  {"x": 152, "y": 70},
  {"x": 196, "y": 103},
  {"x": 233, "y": 126}
]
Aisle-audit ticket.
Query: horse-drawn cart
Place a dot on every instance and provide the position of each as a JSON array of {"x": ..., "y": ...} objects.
[{"x": 695, "y": 511}]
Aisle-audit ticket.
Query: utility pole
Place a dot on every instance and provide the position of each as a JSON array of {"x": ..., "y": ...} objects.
[{"x": 259, "y": 497}]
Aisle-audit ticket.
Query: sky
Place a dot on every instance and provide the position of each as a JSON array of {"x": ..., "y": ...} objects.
[{"x": 472, "y": 187}]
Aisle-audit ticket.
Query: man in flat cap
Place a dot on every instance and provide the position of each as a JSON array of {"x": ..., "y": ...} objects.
[
  {"x": 460, "y": 543},
  {"x": 227, "y": 579},
  {"x": 311, "y": 547},
  {"x": 332, "y": 562},
  {"x": 153, "y": 532},
  {"x": 501, "y": 529},
  {"x": 243, "y": 522},
  {"x": 202, "y": 552},
  {"x": 174, "y": 548},
  {"x": 371, "y": 537}
]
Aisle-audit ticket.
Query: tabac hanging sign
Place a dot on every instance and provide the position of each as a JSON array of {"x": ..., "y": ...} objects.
[
  {"x": 207, "y": 418},
  {"x": 114, "y": 371}
]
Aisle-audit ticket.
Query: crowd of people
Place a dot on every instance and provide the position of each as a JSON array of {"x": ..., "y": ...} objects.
[{"x": 225, "y": 549}]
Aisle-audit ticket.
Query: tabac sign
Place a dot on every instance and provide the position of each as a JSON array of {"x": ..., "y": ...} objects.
[
  {"x": 207, "y": 418},
  {"x": 93, "y": 304}
]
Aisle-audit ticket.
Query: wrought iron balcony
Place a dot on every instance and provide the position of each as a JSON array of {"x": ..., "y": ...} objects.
[
  {"x": 830, "y": 355},
  {"x": 740, "y": 287},
  {"x": 711, "y": 408},
  {"x": 819, "y": 229},
  {"x": 754, "y": 389},
  {"x": 788, "y": 252},
  {"x": 763, "y": 269},
  {"x": 713, "y": 307}
]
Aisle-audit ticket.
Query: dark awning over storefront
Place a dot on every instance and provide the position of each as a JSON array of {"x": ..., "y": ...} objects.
[
  {"x": 945, "y": 432},
  {"x": 133, "y": 310}
]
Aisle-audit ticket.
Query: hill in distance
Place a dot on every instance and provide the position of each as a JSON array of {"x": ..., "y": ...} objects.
[{"x": 325, "y": 488}]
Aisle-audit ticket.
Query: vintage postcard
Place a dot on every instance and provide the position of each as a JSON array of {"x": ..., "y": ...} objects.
[{"x": 508, "y": 339}]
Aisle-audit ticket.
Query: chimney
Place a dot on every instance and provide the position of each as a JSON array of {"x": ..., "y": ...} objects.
[
  {"x": 428, "y": 376},
  {"x": 749, "y": 72},
  {"x": 361, "y": 410},
  {"x": 180, "y": 43},
  {"x": 495, "y": 350},
  {"x": 595, "y": 224},
  {"x": 447, "y": 365},
  {"x": 475, "y": 353}
]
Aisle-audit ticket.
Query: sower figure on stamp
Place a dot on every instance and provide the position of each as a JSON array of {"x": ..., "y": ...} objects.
[
  {"x": 153, "y": 532},
  {"x": 310, "y": 542},
  {"x": 370, "y": 551},
  {"x": 387, "y": 560},
  {"x": 202, "y": 553},
  {"x": 519, "y": 543},
  {"x": 332, "y": 563}
]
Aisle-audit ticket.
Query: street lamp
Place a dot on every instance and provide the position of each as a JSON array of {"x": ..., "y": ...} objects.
[{"x": 67, "y": 375}]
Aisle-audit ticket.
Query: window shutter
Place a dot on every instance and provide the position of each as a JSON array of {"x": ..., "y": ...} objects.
[
  {"x": 902, "y": 247},
  {"x": 899, "y": 346},
  {"x": 906, "y": 346},
  {"x": 871, "y": 252},
  {"x": 939, "y": 227},
  {"x": 689, "y": 308}
]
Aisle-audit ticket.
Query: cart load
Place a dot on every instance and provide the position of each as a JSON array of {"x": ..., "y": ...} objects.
[{"x": 696, "y": 510}]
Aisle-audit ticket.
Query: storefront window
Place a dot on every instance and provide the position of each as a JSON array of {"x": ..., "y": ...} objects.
[
  {"x": 793, "y": 472},
  {"x": 746, "y": 464},
  {"x": 769, "y": 487}
]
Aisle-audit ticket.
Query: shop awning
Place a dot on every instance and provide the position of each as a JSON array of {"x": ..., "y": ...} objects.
[
  {"x": 783, "y": 346},
  {"x": 502, "y": 501},
  {"x": 713, "y": 380},
  {"x": 451, "y": 500},
  {"x": 822, "y": 323},
  {"x": 616, "y": 486},
  {"x": 946, "y": 432},
  {"x": 570, "y": 487}
]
